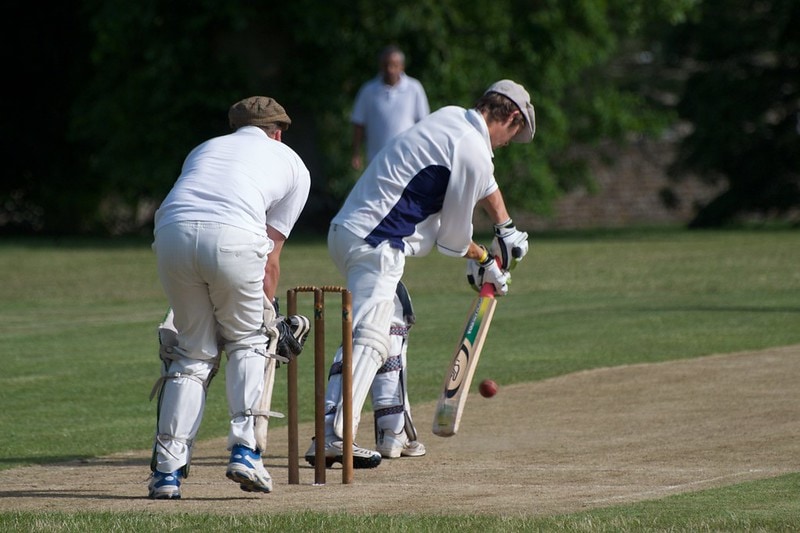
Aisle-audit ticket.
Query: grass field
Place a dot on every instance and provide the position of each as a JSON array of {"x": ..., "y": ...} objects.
[{"x": 79, "y": 354}]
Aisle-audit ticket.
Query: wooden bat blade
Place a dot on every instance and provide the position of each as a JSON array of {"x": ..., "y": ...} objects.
[{"x": 449, "y": 408}]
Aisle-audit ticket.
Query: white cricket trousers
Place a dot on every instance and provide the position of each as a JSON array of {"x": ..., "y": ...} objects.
[
  {"x": 372, "y": 272},
  {"x": 213, "y": 277}
]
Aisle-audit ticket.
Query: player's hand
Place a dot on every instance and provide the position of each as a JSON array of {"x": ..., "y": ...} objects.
[
  {"x": 509, "y": 244},
  {"x": 487, "y": 271}
]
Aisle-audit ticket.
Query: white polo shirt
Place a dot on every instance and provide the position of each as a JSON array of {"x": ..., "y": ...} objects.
[
  {"x": 423, "y": 187},
  {"x": 386, "y": 110},
  {"x": 244, "y": 179}
]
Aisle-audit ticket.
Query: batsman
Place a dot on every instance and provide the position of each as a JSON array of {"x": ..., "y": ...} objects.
[{"x": 417, "y": 194}]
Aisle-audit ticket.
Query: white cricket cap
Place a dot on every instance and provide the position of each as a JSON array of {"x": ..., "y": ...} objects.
[{"x": 517, "y": 94}]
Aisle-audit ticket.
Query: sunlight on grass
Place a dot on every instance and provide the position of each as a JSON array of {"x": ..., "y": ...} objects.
[{"x": 78, "y": 323}]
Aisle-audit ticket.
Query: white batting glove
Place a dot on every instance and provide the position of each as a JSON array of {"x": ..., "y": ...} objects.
[
  {"x": 487, "y": 271},
  {"x": 509, "y": 244}
]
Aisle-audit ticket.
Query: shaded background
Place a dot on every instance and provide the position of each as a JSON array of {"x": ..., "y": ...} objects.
[{"x": 104, "y": 99}]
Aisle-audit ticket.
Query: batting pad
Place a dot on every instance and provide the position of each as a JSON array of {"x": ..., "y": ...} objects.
[{"x": 370, "y": 351}]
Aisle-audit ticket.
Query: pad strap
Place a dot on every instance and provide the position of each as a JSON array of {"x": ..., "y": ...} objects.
[
  {"x": 160, "y": 440},
  {"x": 371, "y": 345},
  {"x": 175, "y": 375},
  {"x": 257, "y": 412}
]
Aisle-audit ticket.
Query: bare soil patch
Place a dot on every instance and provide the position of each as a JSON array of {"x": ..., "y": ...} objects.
[{"x": 576, "y": 442}]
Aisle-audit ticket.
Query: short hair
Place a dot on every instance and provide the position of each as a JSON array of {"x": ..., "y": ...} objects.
[
  {"x": 270, "y": 129},
  {"x": 390, "y": 50},
  {"x": 499, "y": 107}
]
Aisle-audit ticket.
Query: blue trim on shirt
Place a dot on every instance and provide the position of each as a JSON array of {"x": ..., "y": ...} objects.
[{"x": 422, "y": 197}]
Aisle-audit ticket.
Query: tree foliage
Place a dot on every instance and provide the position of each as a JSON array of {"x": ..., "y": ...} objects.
[
  {"x": 148, "y": 80},
  {"x": 43, "y": 79},
  {"x": 558, "y": 50},
  {"x": 742, "y": 98}
]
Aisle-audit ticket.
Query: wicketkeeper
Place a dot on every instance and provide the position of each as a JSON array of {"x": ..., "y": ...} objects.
[{"x": 218, "y": 240}]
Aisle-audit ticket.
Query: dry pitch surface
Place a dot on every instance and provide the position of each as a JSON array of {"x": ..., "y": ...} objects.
[{"x": 585, "y": 440}]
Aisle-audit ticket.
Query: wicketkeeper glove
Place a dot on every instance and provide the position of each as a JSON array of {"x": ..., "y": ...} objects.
[
  {"x": 509, "y": 244},
  {"x": 292, "y": 334},
  {"x": 487, "y": 271}
]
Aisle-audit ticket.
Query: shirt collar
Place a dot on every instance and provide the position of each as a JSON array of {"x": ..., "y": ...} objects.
[
  {"x": 477, "y": 121},
  {"x": 401, "y": 85},
  {"x": 252, "y": 130}
]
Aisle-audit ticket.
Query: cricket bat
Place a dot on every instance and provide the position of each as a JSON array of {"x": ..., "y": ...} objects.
[{"x": 450, "y": 406}]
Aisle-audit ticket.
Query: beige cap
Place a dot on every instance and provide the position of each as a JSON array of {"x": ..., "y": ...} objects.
[
  {"x": 258, "y": 111},
  {"x": 517, "y": 94}
]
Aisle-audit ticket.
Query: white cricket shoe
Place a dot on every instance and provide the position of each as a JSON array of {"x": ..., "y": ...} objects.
[
  {"x": 165, "y": 486},
  {"x": 246, "y": 469},
  {"x": 362, "y": 457},
  {"x": 393, "y": 445}
]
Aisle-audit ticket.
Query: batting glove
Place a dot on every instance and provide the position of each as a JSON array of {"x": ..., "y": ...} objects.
[
  {"x": 509, "y": 244},
  {"x": 487, "y": 271}
]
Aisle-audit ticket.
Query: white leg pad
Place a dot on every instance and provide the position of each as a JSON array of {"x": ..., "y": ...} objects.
[
  {"x": 245, "y": 387},
  {"x": 370, "y": 350},
  {"x": 388, "y": 398},
  {"x": 181, "y": 405},
  {"x": 391, "y": 406}
]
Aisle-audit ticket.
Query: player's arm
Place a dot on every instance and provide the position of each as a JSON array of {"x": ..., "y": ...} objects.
[
  {"x": 284, "y": 215},
  {"x": 509, "y": 244},
  {"x": 358, "y": 140},
  {"x": 292, "y": 331},
  {"x": 272, "y": 272},
  {"x": 495, "y": 207},
  {"x": 476, "y": 252}
]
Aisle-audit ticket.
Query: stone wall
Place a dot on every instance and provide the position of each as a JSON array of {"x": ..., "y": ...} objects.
[{"x": 630, "y": 181}]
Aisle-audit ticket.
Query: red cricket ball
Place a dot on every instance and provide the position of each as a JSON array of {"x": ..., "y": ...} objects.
[{"x": 488, "y": 388}]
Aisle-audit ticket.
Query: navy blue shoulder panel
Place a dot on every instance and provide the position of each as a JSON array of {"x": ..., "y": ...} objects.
[{"x": 422, "y": 197}]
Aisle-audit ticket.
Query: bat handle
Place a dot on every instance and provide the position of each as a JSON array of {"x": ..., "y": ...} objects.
[{"x": 487, "y": 290}]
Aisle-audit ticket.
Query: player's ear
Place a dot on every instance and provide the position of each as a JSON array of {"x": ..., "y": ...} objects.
[{"x": 513, "y": 117}]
